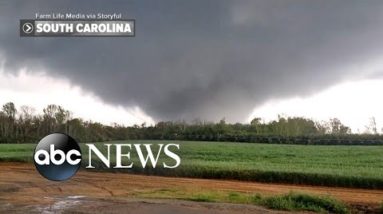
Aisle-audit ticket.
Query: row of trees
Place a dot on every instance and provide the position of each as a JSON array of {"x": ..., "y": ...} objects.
[{"x": 23, "y": 125}]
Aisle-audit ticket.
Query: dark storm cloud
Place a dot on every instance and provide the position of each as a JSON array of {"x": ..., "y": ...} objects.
[{"x": 203, "y": 59}]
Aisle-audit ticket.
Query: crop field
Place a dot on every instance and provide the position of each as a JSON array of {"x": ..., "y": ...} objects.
[{"x": 345, "y": 166}]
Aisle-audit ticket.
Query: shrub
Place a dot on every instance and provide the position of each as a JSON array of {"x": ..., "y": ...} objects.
[{"x": 296, "y": 202}]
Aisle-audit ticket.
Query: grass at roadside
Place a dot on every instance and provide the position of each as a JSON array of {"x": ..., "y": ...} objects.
[
  {"x": 290, "y": 202},
  {"x": 296, "y": 202}
]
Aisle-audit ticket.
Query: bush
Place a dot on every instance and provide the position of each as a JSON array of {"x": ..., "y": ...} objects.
[
  {"x": 381, "y": 208},
  {"x": 296, "y": 202}
]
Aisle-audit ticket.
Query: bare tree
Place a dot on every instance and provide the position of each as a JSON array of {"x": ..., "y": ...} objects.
[{"x": 371, "y": 127}]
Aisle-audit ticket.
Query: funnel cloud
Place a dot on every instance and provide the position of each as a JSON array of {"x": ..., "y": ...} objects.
[{"x": 203, "y": 59}]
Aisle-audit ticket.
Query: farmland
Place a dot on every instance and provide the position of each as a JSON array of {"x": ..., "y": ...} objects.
[
  {"x": 346, "y": 166},
  {"x": 22, "y": 190}
]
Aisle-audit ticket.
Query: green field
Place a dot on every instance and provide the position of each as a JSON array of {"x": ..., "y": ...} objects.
[{"x": 347, "y": 166}]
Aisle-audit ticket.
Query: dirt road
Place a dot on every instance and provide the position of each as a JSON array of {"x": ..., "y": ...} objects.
[{"x": 22, "y": 188}]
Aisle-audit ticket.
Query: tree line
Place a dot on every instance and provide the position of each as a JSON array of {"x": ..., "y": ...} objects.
[{"x": 23, "y": 125}]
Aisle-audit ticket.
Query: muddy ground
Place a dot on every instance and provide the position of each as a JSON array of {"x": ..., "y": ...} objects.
[{"x": 22, "y": 190}]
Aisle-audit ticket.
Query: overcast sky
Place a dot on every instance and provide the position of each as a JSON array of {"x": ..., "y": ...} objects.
[{"x": 203, "y": 59}]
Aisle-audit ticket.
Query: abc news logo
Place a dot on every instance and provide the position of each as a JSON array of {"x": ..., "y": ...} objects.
[{"x": 58, "y": 156}]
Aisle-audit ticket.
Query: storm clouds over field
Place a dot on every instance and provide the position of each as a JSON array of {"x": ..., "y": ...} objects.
[{"x": 205, "y": 59}]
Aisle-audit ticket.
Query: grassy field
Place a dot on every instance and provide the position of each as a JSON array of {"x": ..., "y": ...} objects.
[{"x": 347, "y": 166}]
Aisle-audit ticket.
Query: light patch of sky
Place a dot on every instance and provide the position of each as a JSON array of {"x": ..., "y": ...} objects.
[
  {"x": 354, "y": 103},
  {"x": 38, "y": 90}
]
